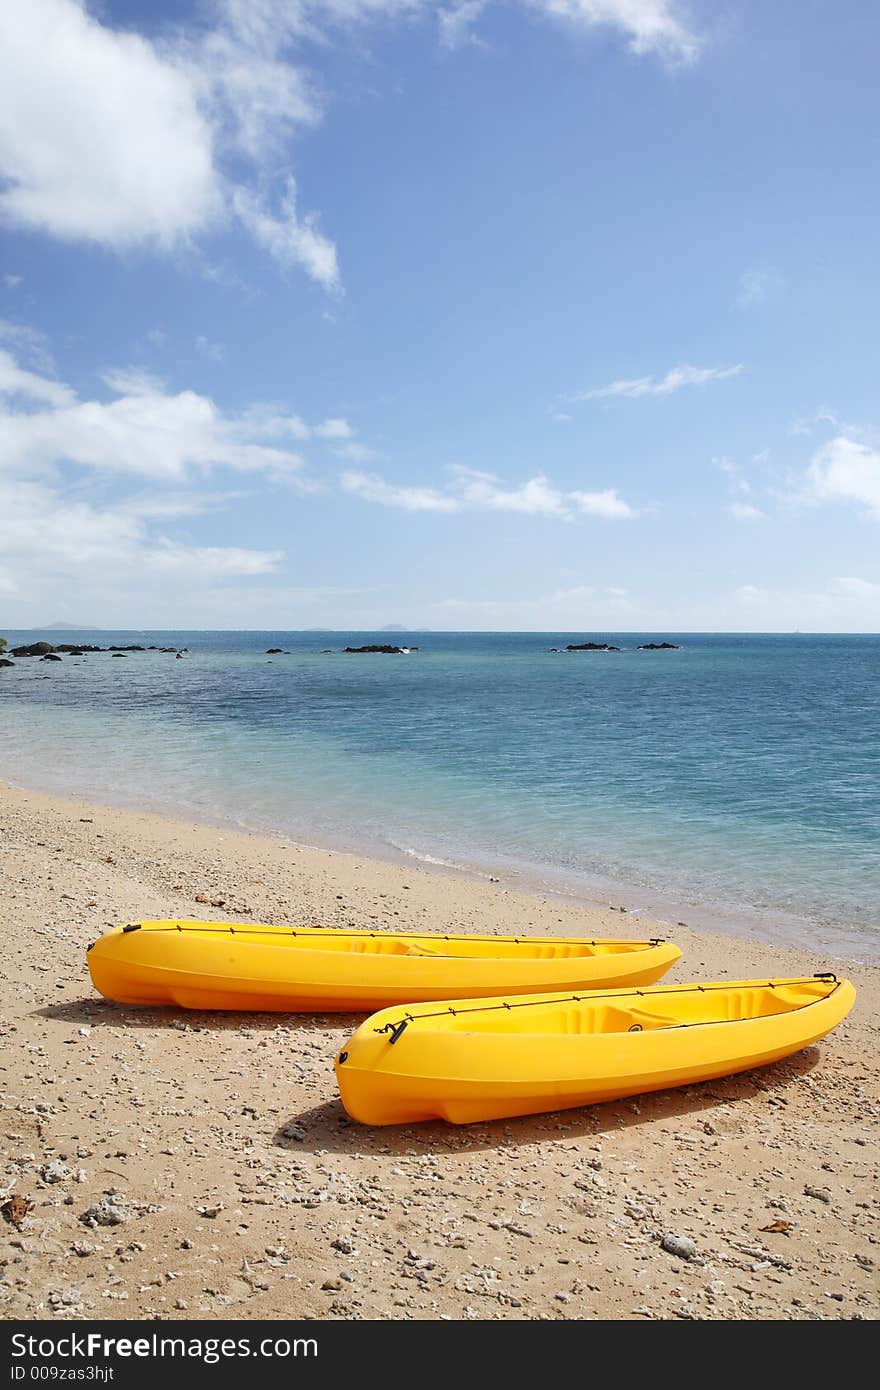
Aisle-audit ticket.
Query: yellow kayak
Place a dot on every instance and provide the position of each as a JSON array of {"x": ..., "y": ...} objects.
[
  {"x": 491, "y": 1058},
  {"x": 221, "y": 965}
]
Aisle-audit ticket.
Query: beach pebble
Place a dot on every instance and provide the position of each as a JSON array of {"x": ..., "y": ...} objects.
[
  {"x": 65, "y": 1298},
  {"x": 56, "y": 1171},
  {"x": 682, "y": 1246},
  {"x": 821, "y": 1194},
  {"x": 111, "y": 1210},
  {"x": 343, "y": 1245},
  {"x": 294, "y": 1131}
]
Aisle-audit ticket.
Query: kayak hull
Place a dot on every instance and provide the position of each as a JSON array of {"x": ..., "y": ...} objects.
[
  {"x": 213, "y": 965},
  {"x": 490, "y": 1060}
]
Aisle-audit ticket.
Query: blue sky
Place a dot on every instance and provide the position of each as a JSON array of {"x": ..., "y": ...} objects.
[{"x": 548, "y": 314}]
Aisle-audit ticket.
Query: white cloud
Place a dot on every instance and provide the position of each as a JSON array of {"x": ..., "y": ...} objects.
[
  {"x": 652, "y": 26},
  {"x": 758, "y": 287},
  {"x": 850, "y": 587},
  {"x": 144, "y": 431},
  {"x": 255, "y": 97},
  {"x": 456, "y": 23},
  {"x": 581, "y": 607},
  {"x": 211, "y": 561},
  {"x": 356, "y": 452},
  {"x": 845, "y": 470},
  {"x": 472, "y": 490},
  {"x": 272, "y": 423},
  {"x": 112, "y": 138},
  {"x": 132, "y": 381},
  {"x": 12, "y": 282},
  {"x": 291, "y": 239},
  {"x": 535, "y": 497},
  {"x": 412, "y": 499},
  {"x": 17, "y": 381},
  {"x": 156, "y": 337},
  {"x": 606, "y": 503},
  {"x": 52, "y": 535},
  {"x": 674, "y": 380},
  {"x": 334, "y": 429},
  {"x": 101, "y": 138},
  {"x": 846, "y": 604},
  {"x": 744, "y": 511}
]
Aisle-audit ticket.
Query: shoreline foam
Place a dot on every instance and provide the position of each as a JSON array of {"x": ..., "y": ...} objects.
[{"x": 775, "y": 928}]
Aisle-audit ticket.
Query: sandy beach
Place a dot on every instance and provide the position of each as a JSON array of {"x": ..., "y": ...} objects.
[{"x": 239, "y": 1189}]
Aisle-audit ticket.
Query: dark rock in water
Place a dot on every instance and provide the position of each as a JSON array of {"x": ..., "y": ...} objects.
[
  {"x": 126, "y": 649},
  {"x": 658, "y": 647},
  {"x": 74, "y": 649},
  {"x": 378, "y": 647},
  {"x": 326, "y": 651},
  {"x": 590, "y": 647},
  {"x": 4, "y": 661},
  {"x": 178, "y": 656},
  {"x": 121, "y": 655},
  {"x": 50, "y": 656},
  {"x": 273, "y": 651},
  {"x": 35, "y": 649}
]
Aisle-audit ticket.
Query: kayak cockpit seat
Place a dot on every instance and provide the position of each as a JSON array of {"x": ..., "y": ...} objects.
[{"x": 641, "y": 1019}]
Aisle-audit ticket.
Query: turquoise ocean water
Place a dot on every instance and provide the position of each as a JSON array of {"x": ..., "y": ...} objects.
[{"x": 733, "y": 784}]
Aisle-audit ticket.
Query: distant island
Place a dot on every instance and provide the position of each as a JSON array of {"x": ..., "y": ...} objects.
[{"x": 67, "y": 627}]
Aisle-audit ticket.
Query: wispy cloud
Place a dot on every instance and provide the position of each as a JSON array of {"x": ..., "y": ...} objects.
[
  {"x": 651, "y": 26},
  {"x": 759, "y": 286},
  {"x": 578, "y": 607},
  {"x": 456, "y": 23},
  {"x": 745, "y": 511},
  {"x": 674, "y": 380},
  {"x": 334, "y": 429},
  {"x": 356, "y": 452},
  {"x": 411, "y": 499},
  {"x": 213, "y": 351},
  {"x": 808, "y": 424},
  {"x": 292, "y": 239},
  {"x": 473, "y": 490},
  {"x": 28, "y": 344},
  {"x": 840, "y": 604}
]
